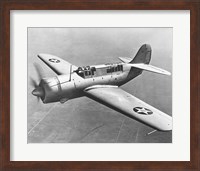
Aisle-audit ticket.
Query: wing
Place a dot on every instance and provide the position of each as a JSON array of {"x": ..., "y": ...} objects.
[
  {"x": 58, "y": 65},
  {"x": 127, "y": 104}
]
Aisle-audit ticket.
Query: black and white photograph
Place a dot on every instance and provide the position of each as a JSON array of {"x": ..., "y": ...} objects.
[{"x": 99, "y": 84}]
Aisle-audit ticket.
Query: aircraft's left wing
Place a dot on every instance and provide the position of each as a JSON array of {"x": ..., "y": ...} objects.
[
  {"x": 127, "y": 104},
  {"x": 58, "y": 65}
]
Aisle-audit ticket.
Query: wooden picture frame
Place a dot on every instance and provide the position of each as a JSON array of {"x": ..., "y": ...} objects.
[{"x": 6, "y": 6}]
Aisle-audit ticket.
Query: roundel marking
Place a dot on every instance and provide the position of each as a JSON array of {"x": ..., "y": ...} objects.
[
  {"x": 142, "y": 111},
  {"x": 54, "y": 60}
]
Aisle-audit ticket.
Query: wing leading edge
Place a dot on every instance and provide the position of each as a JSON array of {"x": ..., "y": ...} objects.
[
  {"x": 130, "y": 106},
  {"x": 58, "y": 65}
]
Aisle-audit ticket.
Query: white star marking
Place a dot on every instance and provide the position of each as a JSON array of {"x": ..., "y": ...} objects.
[
  {"x": 143, "y": 110},
  {"x": 54, "y": 60}
]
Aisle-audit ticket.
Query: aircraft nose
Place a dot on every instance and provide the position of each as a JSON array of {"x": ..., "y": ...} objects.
[{"x": 38, "y": 92}]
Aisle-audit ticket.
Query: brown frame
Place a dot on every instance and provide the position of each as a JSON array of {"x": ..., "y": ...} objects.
[{"x": 7, "y": 5}]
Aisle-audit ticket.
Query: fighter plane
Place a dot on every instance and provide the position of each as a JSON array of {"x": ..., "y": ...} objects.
[{"x": 102, "y": 84}]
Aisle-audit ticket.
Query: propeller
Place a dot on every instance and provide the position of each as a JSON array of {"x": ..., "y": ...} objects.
[
  {"x": 39, "y": 71},
  {"x": 33, "y": 83},
  {"x": 38, "y": 90}
]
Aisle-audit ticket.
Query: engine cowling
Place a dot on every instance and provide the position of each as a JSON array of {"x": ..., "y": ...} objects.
[
  {"x": 55, "y": 89},
  {"x": 51, "y": 90}
]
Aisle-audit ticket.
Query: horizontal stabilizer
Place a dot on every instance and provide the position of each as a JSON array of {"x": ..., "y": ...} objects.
[
  {"x": 125, "y": 59},
  {"x": 150, "y": 68}
]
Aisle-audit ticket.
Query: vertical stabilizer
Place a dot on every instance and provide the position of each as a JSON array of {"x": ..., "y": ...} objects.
[{"x": 143, "y": 55}]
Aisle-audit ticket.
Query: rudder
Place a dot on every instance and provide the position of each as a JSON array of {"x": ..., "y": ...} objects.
[{"x": 143, "y": 55}]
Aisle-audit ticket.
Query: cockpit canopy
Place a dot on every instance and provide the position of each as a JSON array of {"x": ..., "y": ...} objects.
[
  {"x": 85, "y": 71},
  {"x": 99, "y": 70}
]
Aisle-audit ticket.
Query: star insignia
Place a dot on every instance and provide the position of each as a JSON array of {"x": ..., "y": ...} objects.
[
  {"x": 54, "y": 60},
  {"x": 142, "y": 110}
]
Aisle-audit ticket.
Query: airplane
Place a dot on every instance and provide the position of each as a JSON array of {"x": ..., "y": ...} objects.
[{"x": 102, "y": 84}]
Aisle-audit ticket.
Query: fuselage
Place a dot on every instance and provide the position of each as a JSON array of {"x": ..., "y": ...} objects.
[{"x": 65, "y": 87}]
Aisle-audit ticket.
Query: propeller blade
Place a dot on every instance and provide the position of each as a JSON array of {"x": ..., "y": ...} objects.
[
  {"x": 33, "y": 82},
  {"x": 39, "y": 71},
  {"x": 38, "y": 91}
]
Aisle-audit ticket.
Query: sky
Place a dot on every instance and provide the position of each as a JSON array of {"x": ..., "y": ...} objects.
[{"x": 83, "y": 120}]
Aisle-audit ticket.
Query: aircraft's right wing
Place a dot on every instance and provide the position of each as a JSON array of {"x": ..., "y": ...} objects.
[
  {"x": 58, "y": 65},
  {"x": 127, "y": 104}
]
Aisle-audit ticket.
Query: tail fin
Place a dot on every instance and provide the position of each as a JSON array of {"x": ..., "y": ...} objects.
[
  {"x": 143, "y": 55},
  {"x": 142, "y": 59}
]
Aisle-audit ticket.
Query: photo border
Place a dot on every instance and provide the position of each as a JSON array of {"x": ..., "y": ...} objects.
[{"x": 7, "y": 6}]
